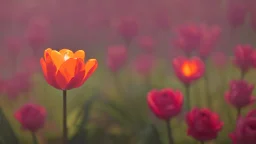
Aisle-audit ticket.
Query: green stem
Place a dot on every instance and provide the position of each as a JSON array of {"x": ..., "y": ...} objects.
[
  {"x": 238, "y": 112},
  {"x": 34, "y": 138},
  {"x": 65, "y": 129},
  {"x": 187, "y": 95},
  {"x": 207, "y": 90},
  {"x": 169, "y": 132},
  {"x": 243, "y": 74}
]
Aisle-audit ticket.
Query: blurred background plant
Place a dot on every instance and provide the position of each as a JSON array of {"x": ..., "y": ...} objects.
[{"x": 135, "y": 43}]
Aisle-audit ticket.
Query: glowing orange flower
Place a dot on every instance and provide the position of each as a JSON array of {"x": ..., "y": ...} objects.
[
  {"x": 66, "y": 70},
  {"x": 188, "y": 70}
]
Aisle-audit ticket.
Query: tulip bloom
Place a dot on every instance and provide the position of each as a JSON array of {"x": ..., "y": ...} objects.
[
  {"x": 165, "y": 103},
  {"x": 245, "y": 132},
  {"x": 203, "y": 125},
  {"x": 31, "y": 116},
  {"x": 240, "y": 94},
  {"x": 245, "y": 58},
  {"x": 188, "y": 70},
  {"x": 66, "y": 70}
]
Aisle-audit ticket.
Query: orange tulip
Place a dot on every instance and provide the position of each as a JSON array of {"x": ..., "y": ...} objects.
[{"x": 66, "y": 70}]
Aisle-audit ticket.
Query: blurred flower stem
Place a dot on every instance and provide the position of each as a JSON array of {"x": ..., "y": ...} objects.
[
  {"x": 243, "y": 74},
  {"x": 201, "y": 142},
  {"x": 238, "y": 110},
  {"x": 34, "y": 138},
  {"x": 65, "y": 129},
  {"x": 207, "y": 90},
  {"x": 169, "y": 132},
  {"x": 187, "y": 95}
]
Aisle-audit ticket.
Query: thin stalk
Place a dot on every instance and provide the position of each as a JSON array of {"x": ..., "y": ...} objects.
[
  {"x": 187, "y": 95},
  {"x": 201, "y": 142},
  {"x": 238, "y": 112},
  {"x": 65, "y": 129},
  {"x": 169, "y": 132},
  {"x": 34, "y": 139},
  {"x": 207, "y": 90}
]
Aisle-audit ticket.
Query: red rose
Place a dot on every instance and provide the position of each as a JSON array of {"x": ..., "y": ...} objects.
[
  {"x": 245, "y": 132},
  {"x": 203, "y": 125},
  {"x": 240, "y": 93},
  {"x": 188, "y": 70},
  {"x": 31, "y": 117},
  {"x": 165, "y": 103}
]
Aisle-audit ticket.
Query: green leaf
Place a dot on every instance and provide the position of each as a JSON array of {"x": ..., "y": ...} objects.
[
  {"x": 81, "y": 134},
  {"x": 150, "y": 135},
  {"x": 6, "y": 132}
]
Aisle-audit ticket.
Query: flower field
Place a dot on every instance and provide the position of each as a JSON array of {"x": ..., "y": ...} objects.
[{"x": 130, "y": 72}]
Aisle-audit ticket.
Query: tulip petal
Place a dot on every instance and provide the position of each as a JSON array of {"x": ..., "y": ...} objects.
[
  {"x": 76, "y": 81},
  {"x": 47, "y": 52},
  {"x": 57, "y": 58},
  {"x": 80, "y": 54},
  {"x": 66, "y": 53},
  {"x": 51, "y": 72},
  {"x": 44, "y": 69},
  {"x": 90, "y": 66},
  {"x": 68, "y": 70}
]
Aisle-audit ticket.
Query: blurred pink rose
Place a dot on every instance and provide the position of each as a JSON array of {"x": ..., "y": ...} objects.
[
  {"x": 219, "y": 59},
  {"x": 188, "y": 38},
  {"x": 245, "y": 132},
  {"x": 210, "y": 37},
  {"x": 32, "y": 117},
  {"x": 128, "y": 28},
  {"x": 236, "y": 13},
  {"x": 17, "y": 84},
  {"x": 37, "y": 33},
  {"x": 144, "y": 64},
  {"x": 146, "y": 43},
  {"x": 14, "y": 45},
  {"x": 239, "y": 94},
  {"x": 116, "y": 57}
]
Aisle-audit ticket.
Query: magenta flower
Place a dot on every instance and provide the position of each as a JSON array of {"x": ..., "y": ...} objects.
[
  {"x": 239, "y": 94},
  {"x": 116, "y": 57}
]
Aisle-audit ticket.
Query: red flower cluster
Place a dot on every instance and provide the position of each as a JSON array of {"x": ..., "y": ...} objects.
[{"x": 197, "y": 38}]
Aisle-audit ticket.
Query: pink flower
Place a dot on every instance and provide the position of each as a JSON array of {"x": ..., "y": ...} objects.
[
  {"x": 116, "y": 57},
  {"x": 244, "y": 57},
  {"x": 14, "y": 45},
  {"x": 37, "y": 33},
  {"x": 188, "y": 70},
  {"x": 162, "y": 20},
  {"x": 188, "y": 38},
  {"x": 219, "y": 59},
  {"x": 146, "y": 43},
  {"x": 236, "y": 13},
  {"x": 128, "y": 28},
  {"x": 31, "y": 116},
  {"x": 245, "y": 132},
  {"x": 210, "y": 36},
  {"x": 19, "y": 83},
  {"x": 165, "y": 103},
  {"x": 203, "y": 125},
  {"x": 240, "y": 94},
  {"x": 144, "y": 64}
]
